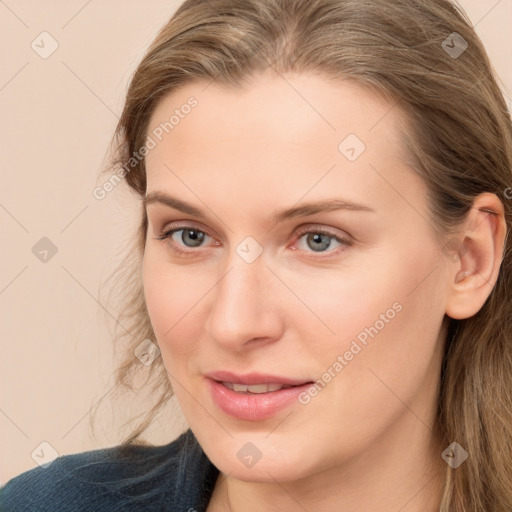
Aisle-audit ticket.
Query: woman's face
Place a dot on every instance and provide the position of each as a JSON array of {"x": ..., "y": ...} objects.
[{"x": 350, "y": 296}]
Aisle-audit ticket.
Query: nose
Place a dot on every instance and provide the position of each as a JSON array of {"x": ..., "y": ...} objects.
[{"x": 244, "y": 311}]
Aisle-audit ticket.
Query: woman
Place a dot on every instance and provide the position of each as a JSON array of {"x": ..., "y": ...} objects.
[{"x": 322, "y": 261}]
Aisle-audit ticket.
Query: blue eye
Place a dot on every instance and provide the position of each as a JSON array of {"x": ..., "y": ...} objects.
[
  {"x": 191, "y": 236},
  {"x": 319, "y": 241}
]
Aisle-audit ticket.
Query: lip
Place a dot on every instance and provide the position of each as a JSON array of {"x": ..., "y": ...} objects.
[
  {"x": 254, "y": 378},
  {"x": 255, "y": 406}
]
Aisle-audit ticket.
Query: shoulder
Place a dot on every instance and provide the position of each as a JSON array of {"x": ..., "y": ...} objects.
[{"x": 127, "y": 478}]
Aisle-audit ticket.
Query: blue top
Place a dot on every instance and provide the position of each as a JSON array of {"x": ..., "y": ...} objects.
[{"x": 174, "y": 477}]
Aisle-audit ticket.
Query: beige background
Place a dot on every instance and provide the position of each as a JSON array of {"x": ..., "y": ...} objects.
[{"x": 58, "y": 115}]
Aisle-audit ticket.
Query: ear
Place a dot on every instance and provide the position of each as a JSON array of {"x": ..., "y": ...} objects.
[{"x": 475, "y": 269}]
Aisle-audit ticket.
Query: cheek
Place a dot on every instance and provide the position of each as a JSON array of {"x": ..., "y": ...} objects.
[
  {"x": 390, "y": 335},
  {"x": 172, "y": 297},
  {"x": 386, "y": 318},
  {"x": 340, "y": 303}
]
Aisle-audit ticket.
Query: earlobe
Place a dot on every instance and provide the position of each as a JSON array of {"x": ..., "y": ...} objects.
[{"x": 475, "y": 272}]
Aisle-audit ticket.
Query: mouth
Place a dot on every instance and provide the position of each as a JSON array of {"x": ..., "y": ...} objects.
[
  {"x": 255, "y": 388},
  {"x": 255, "y": 401},
  {"x": 253, "y": 379}
]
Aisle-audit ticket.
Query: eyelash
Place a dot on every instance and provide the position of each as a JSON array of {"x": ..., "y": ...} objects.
[{"x": 167, "y": 233}]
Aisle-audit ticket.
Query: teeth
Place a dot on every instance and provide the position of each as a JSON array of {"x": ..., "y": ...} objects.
[{"x": 254, "y": 388}]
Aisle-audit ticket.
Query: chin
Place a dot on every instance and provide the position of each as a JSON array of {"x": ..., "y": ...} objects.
[{"x": 259, "y": 460}]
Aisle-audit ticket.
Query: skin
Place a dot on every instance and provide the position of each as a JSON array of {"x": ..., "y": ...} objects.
[{"x": 367, "y": 440}]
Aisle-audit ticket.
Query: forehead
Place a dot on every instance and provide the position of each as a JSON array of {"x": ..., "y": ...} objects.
[
  {"x": 275, "y": 107},
  {"x": 292, "y": 135}
]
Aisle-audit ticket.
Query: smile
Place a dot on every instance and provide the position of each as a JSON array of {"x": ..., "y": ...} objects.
[
  {"x": 254, "y": 388},
  {"x": 254, "y": 402}
]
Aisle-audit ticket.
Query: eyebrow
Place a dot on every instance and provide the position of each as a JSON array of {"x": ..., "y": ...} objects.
[{"x": 302, "y": 210}]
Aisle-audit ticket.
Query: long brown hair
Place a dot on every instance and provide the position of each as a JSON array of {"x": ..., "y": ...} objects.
[{"x": 426, "y": 58}]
